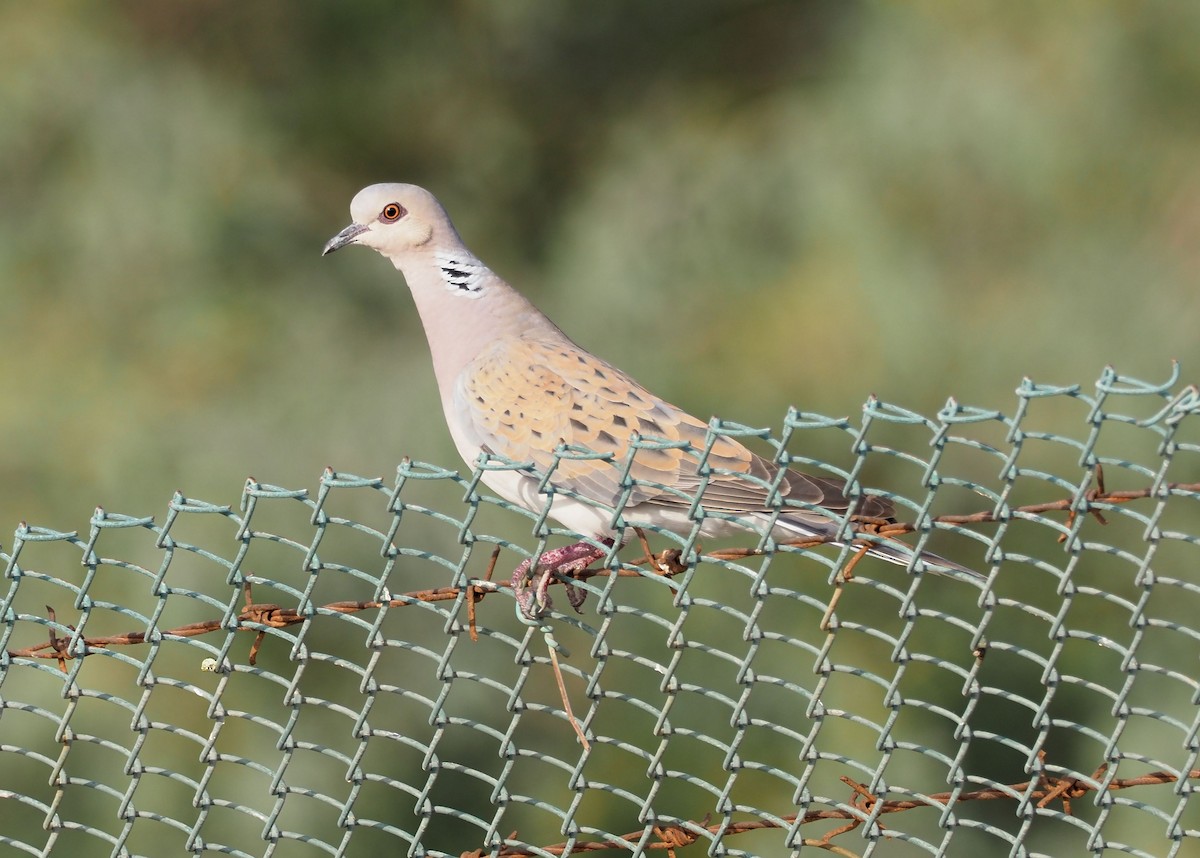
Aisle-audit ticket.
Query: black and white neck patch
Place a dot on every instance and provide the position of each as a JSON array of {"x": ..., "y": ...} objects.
[{"x": 462, "y": 274}]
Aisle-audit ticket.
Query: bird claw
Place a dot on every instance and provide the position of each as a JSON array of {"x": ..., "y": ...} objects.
[
  {"x": 576, "y": 596},
  {"x": 534, "y": 602}
]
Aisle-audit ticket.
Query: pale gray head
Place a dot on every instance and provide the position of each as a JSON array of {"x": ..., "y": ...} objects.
[
  {"x": 409, "y": 226},
  {"x": 464, "y": 307},
  {"x": 395, "y": 219}
]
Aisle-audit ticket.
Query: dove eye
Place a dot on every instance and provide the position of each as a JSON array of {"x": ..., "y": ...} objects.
[{"x": 392, "y": 212}]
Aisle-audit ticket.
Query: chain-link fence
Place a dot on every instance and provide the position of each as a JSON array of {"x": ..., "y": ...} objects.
[{"x": 341, "y": 673}]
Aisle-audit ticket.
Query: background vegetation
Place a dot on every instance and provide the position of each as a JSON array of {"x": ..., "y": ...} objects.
[
  {"x": 751, "y": 205},
  {"x": 746, "y": 205}
]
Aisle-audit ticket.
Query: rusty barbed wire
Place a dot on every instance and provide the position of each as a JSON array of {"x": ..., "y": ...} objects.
[
  {"x": 667, "y": 563},
  {"x": 1046, "y": 789},
  {"x": 644, "y": 661}
]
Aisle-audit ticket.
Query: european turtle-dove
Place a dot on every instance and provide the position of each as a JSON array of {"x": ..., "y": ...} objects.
[{"x": 513, "y": 384}]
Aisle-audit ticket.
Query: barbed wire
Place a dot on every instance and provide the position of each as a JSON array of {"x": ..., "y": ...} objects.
[
  {"x": 1051, "y": 761},
  {"x": 254, "y": 616},
  {"x": 864, "y": 806}
]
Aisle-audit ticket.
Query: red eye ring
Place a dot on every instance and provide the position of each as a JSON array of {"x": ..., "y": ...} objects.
[{"x": 392, "y": 212}]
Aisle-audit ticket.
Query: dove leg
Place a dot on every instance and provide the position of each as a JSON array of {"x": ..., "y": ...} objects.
[{"x": 533, "y": 601}]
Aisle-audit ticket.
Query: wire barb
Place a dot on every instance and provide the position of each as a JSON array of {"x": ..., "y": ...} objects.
[{"x": 725, "y": 688}]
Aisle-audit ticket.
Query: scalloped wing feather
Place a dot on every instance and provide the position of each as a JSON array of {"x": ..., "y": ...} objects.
[{"x": 523, "y": 397}]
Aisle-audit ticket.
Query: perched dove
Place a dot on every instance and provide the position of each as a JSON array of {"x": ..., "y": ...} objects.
[{"x": 514, "y": 385}]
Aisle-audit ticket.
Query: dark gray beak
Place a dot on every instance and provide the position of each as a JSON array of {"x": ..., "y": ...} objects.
[{"x": 346, "y": 236}]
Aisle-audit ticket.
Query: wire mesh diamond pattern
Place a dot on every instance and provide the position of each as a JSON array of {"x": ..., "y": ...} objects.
[{"x": 341, "y": 672}]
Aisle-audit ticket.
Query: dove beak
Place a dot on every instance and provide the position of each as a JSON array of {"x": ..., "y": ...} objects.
[{"x": 346, "y": 236}]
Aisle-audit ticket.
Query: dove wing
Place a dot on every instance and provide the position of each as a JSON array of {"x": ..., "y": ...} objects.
[{"x": 524, "y": 396}]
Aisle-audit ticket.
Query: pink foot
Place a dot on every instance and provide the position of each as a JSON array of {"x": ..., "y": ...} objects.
[{"x": 565, "y": 561}]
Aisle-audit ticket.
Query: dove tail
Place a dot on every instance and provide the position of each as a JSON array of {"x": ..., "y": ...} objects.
[
  {"x": 892, "y": 552},
  {"x": 935, "y": 563}
]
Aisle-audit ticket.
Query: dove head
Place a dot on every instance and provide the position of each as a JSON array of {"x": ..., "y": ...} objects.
[
  {"x": 462, "y": 304},
  {"x": 395, "y": 220}
]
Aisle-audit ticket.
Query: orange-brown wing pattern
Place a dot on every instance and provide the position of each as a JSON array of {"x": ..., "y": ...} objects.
[{"x": 523, "y": 397}]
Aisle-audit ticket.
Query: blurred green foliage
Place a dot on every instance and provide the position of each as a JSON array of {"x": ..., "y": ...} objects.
[
  {"x": 751, "y": 204},
  {"x": 747, "y": 205}
]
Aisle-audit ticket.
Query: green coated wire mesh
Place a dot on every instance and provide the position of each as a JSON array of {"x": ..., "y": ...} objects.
[{"x": 339, "y": 673}]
